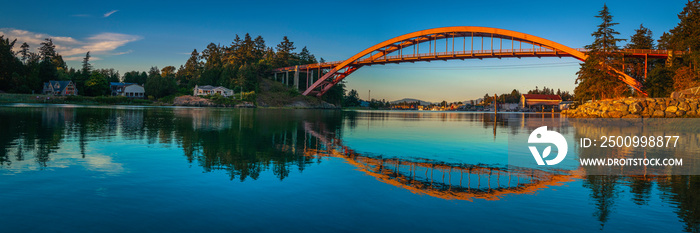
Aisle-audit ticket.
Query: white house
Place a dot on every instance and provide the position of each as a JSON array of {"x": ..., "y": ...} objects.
[
  {"x": 130, "y": 90},
  {"x": 134, "y": 91},
  {"x": 211, "y": 90}
]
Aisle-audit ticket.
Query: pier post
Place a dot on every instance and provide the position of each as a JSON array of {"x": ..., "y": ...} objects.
[{"x": 495, "y": 103}]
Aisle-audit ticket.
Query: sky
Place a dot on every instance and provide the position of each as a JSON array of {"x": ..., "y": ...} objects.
[{"x": 135, "y": 35}]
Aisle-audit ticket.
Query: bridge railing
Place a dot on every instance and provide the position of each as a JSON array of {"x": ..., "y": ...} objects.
[
  {"x": 637, "y": 51},
  {"x": 497, "y": 51},
  {"x": 368, "y": 58}
]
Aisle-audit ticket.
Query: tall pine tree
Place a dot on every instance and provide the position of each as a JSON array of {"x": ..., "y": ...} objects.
[{"x": 595, "y": 79}]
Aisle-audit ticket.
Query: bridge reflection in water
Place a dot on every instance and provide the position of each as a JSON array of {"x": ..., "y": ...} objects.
[{"x": 437, "y": 179}]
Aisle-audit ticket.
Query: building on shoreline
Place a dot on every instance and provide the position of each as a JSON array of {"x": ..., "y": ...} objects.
[
  {"x": 59, "y": 88},
  {"x": 212, "y": 90},
  {"x": 131, "y": 90},
  {"x": 537, "y": 102}
]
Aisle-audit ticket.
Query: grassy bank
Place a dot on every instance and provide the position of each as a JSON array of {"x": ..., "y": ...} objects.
[
  {"x": 49, "y": 99},
  {"x": 276, "y": 95}
]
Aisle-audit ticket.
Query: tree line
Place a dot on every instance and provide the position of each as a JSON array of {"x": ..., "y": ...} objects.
[
  {"x": 238, "y": 66},
  {"x": 678, "y": 72}
]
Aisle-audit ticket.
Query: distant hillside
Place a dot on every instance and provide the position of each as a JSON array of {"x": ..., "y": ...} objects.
[{"x": 411, "y": 100}]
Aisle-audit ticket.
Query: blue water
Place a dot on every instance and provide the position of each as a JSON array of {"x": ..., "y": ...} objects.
[{"x": 125, "y": 169}]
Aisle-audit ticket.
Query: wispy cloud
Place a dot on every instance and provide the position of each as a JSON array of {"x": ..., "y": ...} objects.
[
  {"x": 110, "y": 13},
  {"x": 104, "y": 44}
]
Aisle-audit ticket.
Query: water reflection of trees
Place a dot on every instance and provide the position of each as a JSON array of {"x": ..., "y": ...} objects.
[{"x": 678, "y": 190}]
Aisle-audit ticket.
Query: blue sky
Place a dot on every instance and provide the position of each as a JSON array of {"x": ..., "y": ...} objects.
[{"x": 135, "y": 35}]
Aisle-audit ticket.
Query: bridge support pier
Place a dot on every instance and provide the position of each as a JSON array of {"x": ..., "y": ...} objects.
[
  {"x": 286, "y": 77},
  {"x": 296, "y": 77}
]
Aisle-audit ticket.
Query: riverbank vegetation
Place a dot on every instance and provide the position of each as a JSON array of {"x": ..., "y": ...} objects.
[{"x": 239, "y": 66}]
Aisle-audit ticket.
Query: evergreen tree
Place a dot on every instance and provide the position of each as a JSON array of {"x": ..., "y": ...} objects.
[
  {"x": 47, "y": 50},
  {"x": 660, "y": 82},
  {"x": 87, "y": 68},
  {"x": 685, "y": 37},
  {"x": 24, "y": 51},
  {"x": 193, "y": 69},
  {"x": 10, "y": 66},
  {"x": 285, "y": 53},
  {"x": 642, "y": 39},
  {"x": 595, "y": 80}
]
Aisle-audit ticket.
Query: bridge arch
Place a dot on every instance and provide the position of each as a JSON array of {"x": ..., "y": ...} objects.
[{"x": 378, "y": 54}]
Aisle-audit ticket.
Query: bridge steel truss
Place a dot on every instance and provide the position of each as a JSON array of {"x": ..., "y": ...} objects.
[{"x": 407, "y": 48}]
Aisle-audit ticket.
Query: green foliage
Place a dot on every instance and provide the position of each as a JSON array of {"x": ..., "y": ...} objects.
[
  {"x": 634, "y": 67},
  {"x": 595, "y": 81},
  {"x": 660, "y": 82},
  {"x": 96, "y": 85},
  {"x": 685, "y": 37},
  {"x": 239, "y": 66},
  {"x": 135, "y": 77},
  {"x": 10, "y": 66},
  {"x": 158, "y": 86},
  {"x": 221, "y": 100},
  {"x": 352, "y": 99},
  {"x": 165, "y": 99},
  {"x": 335, "y": 95},
  {"x": 109, "y": 100},
  {"x": 246, "y": 96}
]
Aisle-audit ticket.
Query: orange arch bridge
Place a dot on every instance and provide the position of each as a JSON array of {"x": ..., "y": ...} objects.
[{"x": 411, "y": 48}]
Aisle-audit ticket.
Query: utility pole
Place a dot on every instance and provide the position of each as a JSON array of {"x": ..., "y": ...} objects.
[{"x": 369, "y": 95}]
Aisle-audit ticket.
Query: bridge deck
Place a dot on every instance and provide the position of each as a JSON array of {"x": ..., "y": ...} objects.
[{"x": 479, "y": 54}]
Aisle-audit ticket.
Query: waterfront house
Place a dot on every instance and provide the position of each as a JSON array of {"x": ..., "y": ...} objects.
[
  {"x": 59, "y": 88},
  {"x": 211, "y": 90},
  {"x": 564, "y": 105},
  {"x": 130, "y": 90},
  {"x": 539, "y": 102}
]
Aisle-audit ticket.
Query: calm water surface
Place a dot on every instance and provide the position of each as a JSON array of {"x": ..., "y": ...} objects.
[{"x": 67, "y": 168}]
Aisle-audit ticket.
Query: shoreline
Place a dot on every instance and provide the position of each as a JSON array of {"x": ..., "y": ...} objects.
[{"x": 638, "y": 108}]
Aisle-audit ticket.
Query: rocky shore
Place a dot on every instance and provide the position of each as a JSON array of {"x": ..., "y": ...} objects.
[
  {"x": 636, "y": 108},
  {"x": 195, "y": 101}
]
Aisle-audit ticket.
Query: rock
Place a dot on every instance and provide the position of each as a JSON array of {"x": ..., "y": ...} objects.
[
  {"x": 621, "y": 107},
  {"x": 631, "y": 116},
  {"x": 635, "y": 108},
  {"x": 683, "y": 106},
  {"x": 651, "y": 106},
  {"x": 188, "y": 100},
  {"x": 680, "y": 113},
  {"x": 671, "y": 109},
  {"x": 245, "y": 105},
  {"x": 661, "y": 106},
  {"x": 616, "y": 114},
  {"x": 671, "y": 102},
  {"x": 658, "y": 113}
]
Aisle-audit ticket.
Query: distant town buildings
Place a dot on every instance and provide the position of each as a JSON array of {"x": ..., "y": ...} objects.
[
  {"x": 59, "y": 88},
  {"x": 211, "y": 90},
  {"x": 130, "y": 90}
]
